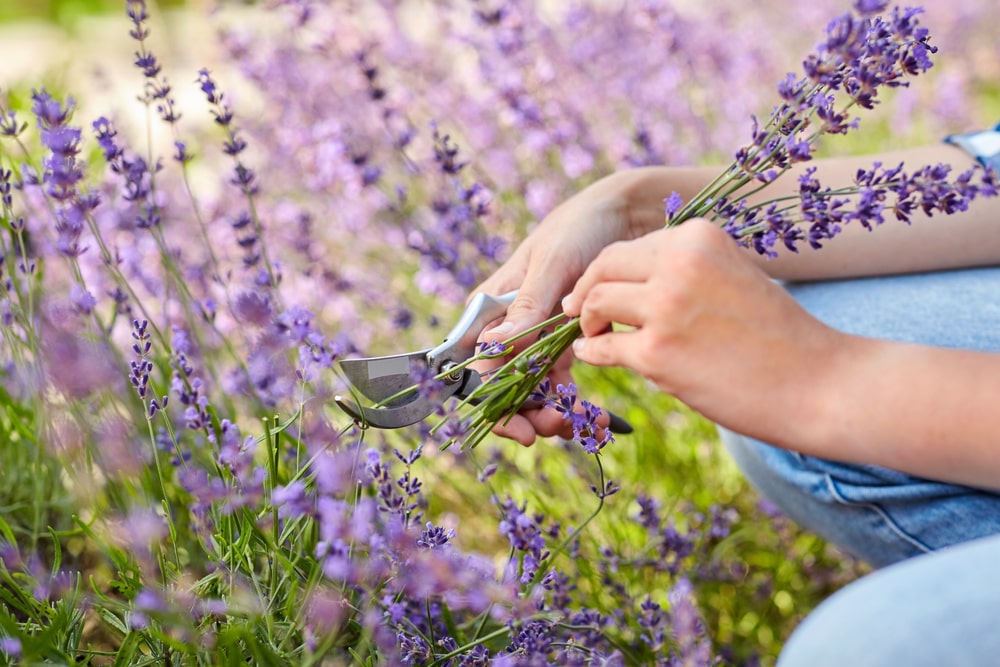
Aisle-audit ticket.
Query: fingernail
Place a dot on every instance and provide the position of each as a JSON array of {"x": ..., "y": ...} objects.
[
  {"x": 578, "y": 345},
  {"x": 565, "y": 303}
]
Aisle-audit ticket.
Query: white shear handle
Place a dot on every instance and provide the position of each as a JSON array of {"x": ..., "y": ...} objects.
[{"x": 460, "y": 343}]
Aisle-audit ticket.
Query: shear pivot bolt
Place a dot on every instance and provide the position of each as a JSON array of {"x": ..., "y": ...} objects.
[{"x": 453, "y": 376}]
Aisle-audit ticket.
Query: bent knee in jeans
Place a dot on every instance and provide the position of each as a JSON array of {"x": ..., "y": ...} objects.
[
  {"x": 935, "y": 610},
  {"x": 879, "y": 515}
]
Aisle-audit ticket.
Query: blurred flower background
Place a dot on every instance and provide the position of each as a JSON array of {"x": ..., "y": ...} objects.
[{"x": 205, "y": 206}]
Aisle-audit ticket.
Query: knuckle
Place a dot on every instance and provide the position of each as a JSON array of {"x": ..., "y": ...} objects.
[
  {"x": 668, "y": 301},
  {"x": 527, "y": 303},
  {"x": 690, "y": 263}
]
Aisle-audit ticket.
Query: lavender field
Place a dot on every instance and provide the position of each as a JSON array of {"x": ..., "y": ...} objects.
[{"x": 204, "y": 209}]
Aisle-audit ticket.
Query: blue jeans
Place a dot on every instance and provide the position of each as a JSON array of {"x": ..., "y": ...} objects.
[{"x": 929, "y": 610}]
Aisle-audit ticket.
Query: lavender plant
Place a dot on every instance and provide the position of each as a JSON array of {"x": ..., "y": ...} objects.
[{"x": 176, "y": 487}]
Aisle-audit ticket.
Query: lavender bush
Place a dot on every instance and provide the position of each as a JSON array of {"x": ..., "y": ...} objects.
[{"x": 177, "y": 485}]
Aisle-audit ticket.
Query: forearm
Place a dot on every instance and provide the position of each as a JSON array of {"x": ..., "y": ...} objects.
[
  {"x": 931, "y": 412},
  {"x": 970, "y": 238},
  {"x": 963, "y": 239}
]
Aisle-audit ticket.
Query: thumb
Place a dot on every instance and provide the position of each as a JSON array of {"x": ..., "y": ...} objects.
[{"x": 534, "y": 303}]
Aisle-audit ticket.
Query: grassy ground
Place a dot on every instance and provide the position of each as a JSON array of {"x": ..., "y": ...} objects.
[{"x": 62, "y": 11}]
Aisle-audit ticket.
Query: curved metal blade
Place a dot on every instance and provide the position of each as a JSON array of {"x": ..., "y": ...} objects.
[
  {"x": 397, "y": 417},
  {"x": 378, "y": 378}
]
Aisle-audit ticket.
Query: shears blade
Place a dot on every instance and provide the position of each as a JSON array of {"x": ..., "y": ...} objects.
[
  {"x": 389, "y": 383},
  {"x": 382, "y": 378}
]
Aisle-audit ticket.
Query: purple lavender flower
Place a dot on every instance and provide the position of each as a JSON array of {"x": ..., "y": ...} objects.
[
  {"x": 454, "y": 240},
  {"x": 146, "y": 603},
  {"x": 533, "y": 638},
  {"x": 6, "y": 200},
  {"x": 673, "y": 204},
  {"x": 234, "y": 144},
  {"x": 136, "y": 175},
  {"x": 141, "y": 366},
  {"x": 9, "y": 124},
  {"x": 414, "y": 649},
  {"x": 526, "y": 536},
  {"x": 254, "y": 307},
  {"x": 157, "y": 89},
  {"x": 673, "y": 547},
  {"x": 425, "y": 380},
  {"x": 491, "y": 349},
  {"x": 649, "y": 512},
  {"x": 721, "y": 521},
  {"x": 390, "y": 501},
  {"x": 435, "y": 537},
  {"x": 445, "y": 152},
  {"x": 651, "y": 621},
  {"x": 560, "y": 588},
  {"x": 292, "y": 500},
  {"x": 479, "y": 656},
  {"x": 189, "y": 387},
  {"x": 822, "y": 212},
  {"x": 488, "y": 471},
  {"x": 860, "y": 55},
  {"x": 693, "y": 646},
  {"x": 10, "y": 647},
  {"x": 592, "y": 623},
  {"x": 63, "y": 169}
]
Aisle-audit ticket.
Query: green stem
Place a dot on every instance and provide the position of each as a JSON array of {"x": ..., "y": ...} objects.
[{"x": 468, "y": 647}]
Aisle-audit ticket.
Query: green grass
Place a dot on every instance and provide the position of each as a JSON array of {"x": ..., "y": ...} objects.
[{"x": 65, "y": 11}]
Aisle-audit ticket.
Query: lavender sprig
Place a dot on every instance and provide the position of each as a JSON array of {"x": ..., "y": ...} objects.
[
  {"x": 157, "y": 88},
  {"x": 244, "y": 178}
]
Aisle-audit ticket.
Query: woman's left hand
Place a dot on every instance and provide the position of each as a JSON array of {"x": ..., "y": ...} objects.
[{"x": 706, "y": 325}]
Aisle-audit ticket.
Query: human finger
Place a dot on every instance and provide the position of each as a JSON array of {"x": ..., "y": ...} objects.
[
  {"x": 518, "y": 428},
  {"x": 615, "y": 348},
  {"x": 613, "y": 303},
  {"x": 536, "y": 300},
  {"x": 625, "y": 261}
]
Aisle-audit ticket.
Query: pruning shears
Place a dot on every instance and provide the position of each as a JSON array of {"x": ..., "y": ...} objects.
[{"x": 385, "y": 380}]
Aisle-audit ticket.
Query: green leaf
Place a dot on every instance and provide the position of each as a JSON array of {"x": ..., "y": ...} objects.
[
  {"x": 128, "y": 649},
  {"x": 8, "y": 534},
  {"x": 57, "y": 552}
]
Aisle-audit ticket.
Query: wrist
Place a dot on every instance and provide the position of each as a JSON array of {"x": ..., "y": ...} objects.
[
  {"x": 831, "y": 397},
  {"x": 643, "y": 190}
]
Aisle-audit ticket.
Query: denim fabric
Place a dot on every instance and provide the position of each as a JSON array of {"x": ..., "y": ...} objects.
[
  {"x": 880, "y": 515},
  {"x": 939, "y": 608}
]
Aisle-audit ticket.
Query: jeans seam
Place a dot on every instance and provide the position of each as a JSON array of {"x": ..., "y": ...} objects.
[{"x": 874, "y": 507}]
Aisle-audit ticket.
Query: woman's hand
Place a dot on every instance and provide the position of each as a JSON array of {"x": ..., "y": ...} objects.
[
  {"x": 549, "y": 262},
  {"x": 707, "y": 326}
]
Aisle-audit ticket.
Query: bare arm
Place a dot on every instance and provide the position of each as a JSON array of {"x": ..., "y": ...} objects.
[{"x": 928, "y": 411}]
